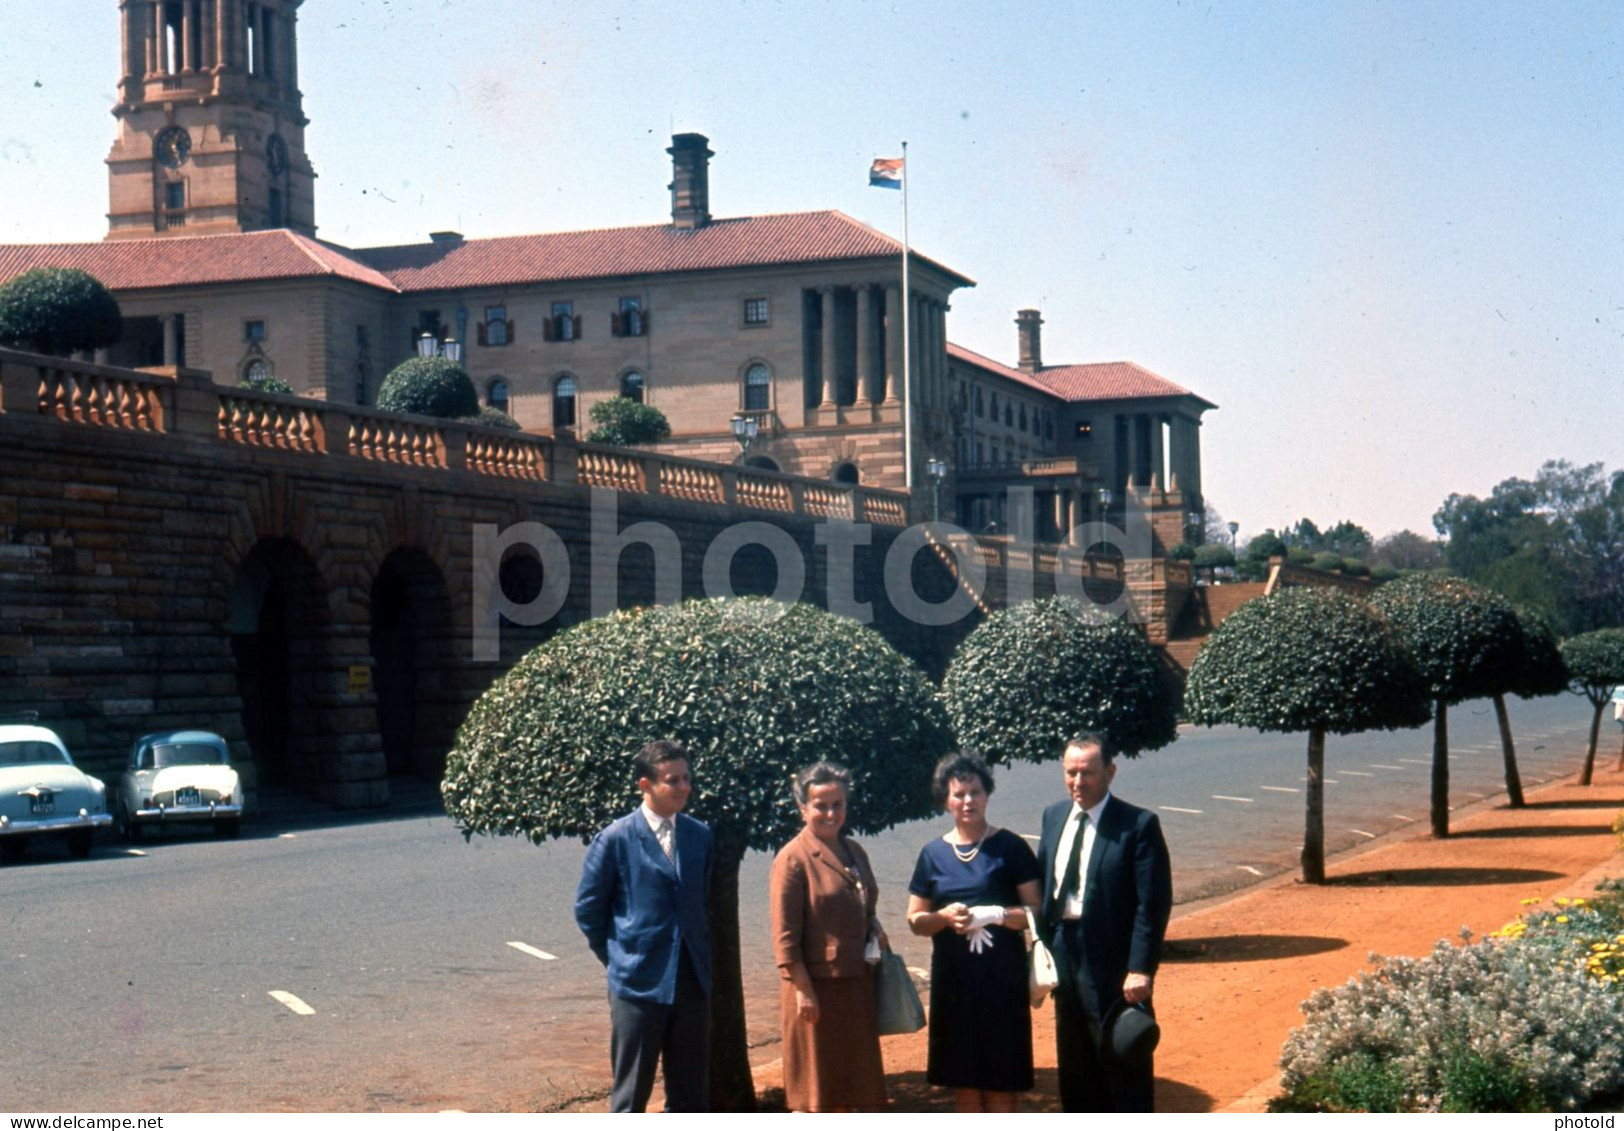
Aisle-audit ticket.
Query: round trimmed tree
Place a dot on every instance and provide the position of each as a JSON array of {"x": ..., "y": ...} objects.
[
  {"x": 1595, "y": 662},
  {"x": 1031, "y": 677},
  {"x": 429, "y": 386},
  {"x": 755, "y": 690},
  {"x": 56, "y": 310},
  {"x": 1539, "y": 672},
  {"x": 1465, "y": 640},
  {"x": 623, "y": 421},
  {"x": 1306, "y": 659}
]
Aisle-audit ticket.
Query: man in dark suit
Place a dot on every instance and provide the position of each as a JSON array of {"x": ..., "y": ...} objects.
[
  {"x": 1107, "y": 895},
  {"x": 641, "y": 905}
]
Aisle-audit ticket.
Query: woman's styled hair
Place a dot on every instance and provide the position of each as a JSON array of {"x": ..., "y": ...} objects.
[
  {"x": 819, "y": 773},
  {"x": 961, "y": 766}
]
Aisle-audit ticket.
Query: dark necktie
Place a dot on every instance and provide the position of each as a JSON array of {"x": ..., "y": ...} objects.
[{"x": 1070, "y": 882}]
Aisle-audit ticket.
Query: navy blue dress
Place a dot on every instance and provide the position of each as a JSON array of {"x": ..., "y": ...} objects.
[{"x": 980, "y": 1012}]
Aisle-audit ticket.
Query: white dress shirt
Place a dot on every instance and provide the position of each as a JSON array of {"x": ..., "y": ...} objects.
[{"x": 1063, "y": 850}]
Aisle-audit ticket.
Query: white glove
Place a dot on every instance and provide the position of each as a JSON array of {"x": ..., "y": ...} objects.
[
  {"x": 987, "y": 916},
  {"x": 871, "y": 950},
  {"x": 979, "y": 939}
]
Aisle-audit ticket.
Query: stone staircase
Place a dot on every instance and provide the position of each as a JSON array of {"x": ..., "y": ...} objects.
[{"x": 1205, "y": 610}]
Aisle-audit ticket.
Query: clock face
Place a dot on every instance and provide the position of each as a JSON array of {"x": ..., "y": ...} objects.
[
  {"x": 276, "y": 155},
  {"x": 173, "y": 146}
]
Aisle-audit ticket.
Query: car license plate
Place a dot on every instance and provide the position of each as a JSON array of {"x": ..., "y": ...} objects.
[
  {"x": 187, "y": 797},
  {"x": 42, "y": 803}
]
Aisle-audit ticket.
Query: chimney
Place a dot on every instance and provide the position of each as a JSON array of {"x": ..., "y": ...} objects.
[
  {"x": 690, "y": 180},
  {"x": 446, "y": 239},
  {"x": 1030, "y": 324}
]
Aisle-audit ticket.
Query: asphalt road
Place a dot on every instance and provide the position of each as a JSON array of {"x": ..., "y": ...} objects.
[{"x": 178, "y": 976}]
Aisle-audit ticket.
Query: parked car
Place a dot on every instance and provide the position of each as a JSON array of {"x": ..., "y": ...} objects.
[
  {"x": 42, "y": 793},
  {"x": 179, "y": 776}
]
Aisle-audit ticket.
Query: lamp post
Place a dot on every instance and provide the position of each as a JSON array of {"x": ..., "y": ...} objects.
[
  {"x": 1105, "y": 497},
  {"x": 745, "y": 430},
  {"x": 1192, "y": 523},
  {"x": 450, "y": 349},
  {"x": 938, "y": 472},
  {"x": 1234, "y": 539}
]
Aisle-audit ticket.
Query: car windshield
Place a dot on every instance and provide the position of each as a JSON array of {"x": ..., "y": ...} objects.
[
  {"x": 182, "y": 754},
  {"x": 29, "y": 753}
]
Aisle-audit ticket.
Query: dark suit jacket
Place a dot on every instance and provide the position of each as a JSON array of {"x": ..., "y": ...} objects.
[
  {"x": 638, "y": 914},
  {"x": 1126, "y": 901},
  {"x": 818, "y": 917}
]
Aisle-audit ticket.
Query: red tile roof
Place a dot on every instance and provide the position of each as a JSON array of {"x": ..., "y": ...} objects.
[
  {"x": 180, "y": 261},
  {"x": 749, "y": 241},
  {"x": 1097, "y": 381}
]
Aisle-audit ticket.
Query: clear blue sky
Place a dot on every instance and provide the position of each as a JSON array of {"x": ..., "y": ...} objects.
[{"x": 1386, "y": 238}]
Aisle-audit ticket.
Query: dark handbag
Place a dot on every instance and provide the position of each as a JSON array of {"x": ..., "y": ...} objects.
[{"x": 898, "y": 1008}]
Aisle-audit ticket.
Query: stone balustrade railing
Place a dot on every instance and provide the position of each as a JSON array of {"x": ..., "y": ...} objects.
[{"x": 187, "y": 402}]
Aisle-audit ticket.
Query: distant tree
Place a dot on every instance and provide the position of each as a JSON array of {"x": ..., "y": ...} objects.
[
  {"x": 1348, "y": 539},
  {"x": 1303, "y": 534},
  {"x": 492, "y": 417},
  {"x": 1306, "y": 659},
  {"x": 1183, "y": 552},
  {"x": 56, "y": 310},
  {"x": 623, "y": 421},
  {"x": 1465, "y": 640},
  {"x": 429, "y": 386},
  {"x": 755, "y": 690},
  {"x": 1539, "y": 671},
  {"x": 1265, "y": 546},
  {"x": 1214, "y": 529},
  {"x": 1407, "y": 550},
  {"x": 267, "y": 385},
  {"x": 1355, "y": 567},
  {"x": 1595, "y": 662},
  {"x": 1326, "y": 560},
  {"x": 1213, "y": 557},
  {"x": 1034, "y": 675}
]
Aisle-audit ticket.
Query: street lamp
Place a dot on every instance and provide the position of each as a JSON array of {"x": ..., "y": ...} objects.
[
  {"x": 429, "y": 346},
  {"x": 745, "y": 430},
  {"x": 1105, "y": 496},
  {"x": 1234, "y": 536},
  {"x": 1192, "y": 523},
  {"x": 938, "y": 472}
]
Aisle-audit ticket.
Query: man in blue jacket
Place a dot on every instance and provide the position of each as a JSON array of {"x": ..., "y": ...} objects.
[{"x": 641, "y": 905}]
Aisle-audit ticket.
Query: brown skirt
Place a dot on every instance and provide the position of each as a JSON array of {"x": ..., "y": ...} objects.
[{"x": 835, "y": 1062}]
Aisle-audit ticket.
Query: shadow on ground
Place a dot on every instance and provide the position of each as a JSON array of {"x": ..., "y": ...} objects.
[
  {"x": 1247, "y": 948},
  {"x": 1443, "y": 877}
]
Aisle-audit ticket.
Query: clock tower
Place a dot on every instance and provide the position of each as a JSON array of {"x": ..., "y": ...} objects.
[{"x": 210, "y": 125}]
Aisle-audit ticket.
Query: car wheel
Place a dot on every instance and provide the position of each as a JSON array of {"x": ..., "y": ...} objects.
[
  {"x": 127, "y": 828},
  {"x": 13, "y": 848},
  {"x": 79, "y": 842},
  {"x": 229, "y": 827}
]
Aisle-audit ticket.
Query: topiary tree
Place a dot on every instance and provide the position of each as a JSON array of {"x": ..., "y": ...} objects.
[
  {"x": 57, "y": 310},
  {"x": 1183, "y": 552},
  {"x": 267, "y": 385},
  {"x": 1265, "y": 546},
  {"x": 1306, "y": 659},
  {"x": 755, "y": 690},
  {"x": 1467, "y": 642},
  {"x": 1539, "y": 671},
  {"x": 623, "y": 421},
  {"x": 429, "y": 386},
  {"x": 492, "y": 417},
  {"x": 1353, "y": 567},
  {"x": 1595, "y": 662},
  {"x": 1214, "y": 555},
  {"x": 1325, "y": 561},
  {"x": 1033, "y": 676}
]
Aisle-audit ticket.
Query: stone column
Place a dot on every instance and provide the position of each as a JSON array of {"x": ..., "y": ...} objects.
[
  {"x": 292, "y": 52},
  {"x": 827, "y": 360},
  {"x": 865, "y": 344},
  {"x": 1158, "y": 474},
  {"x": 893, "y": 343},
  {"x": 1193, "y": 487},
  {"x": 916, "y": 334},
  {"x": 1059, "y": 508},
  {"x": 184, "y": 41},
  {"x": 171, "y": 339},
  {"x": 160, "y": 48}
]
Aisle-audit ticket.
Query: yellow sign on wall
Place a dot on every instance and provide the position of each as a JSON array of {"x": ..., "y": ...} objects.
[{"x": 360, "y": 679}]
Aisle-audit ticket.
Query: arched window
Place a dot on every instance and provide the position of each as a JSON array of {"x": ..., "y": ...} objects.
[
  {"x": 631, "y": 386},
  {"x": 496, "y": 394},
  {"x": 1009, "y": 417},
  {"x": 1023, "y": 418},
  {"x": 564, "y": 402},
  {"x": 757, "y": 388},
  {"x": 256, "y": 370},
  {"x": 845, "y": 473},
  {"x": 980, "y": 405},
  {"x": 993, "y": 405},
  {"x": 765, "y": 463}
]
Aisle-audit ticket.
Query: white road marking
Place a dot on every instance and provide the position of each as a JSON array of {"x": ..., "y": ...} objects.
[
  {"x": 1469, "y": 793},
  {"x": 1380, "y": 766},
  {"x": 292, "y": 1002},
  {"x": 1536, "y": 781},
  {"x": 1362, "y": 833},
  {"x": 1176, "y": 809},
  {"x": 526, "y": 948},
  {"x": 1249, "y": 868},
  {"x": 1332, "y": 781},
  {"x": 1417, "y": 761},
  {"x": 1221, "y": 797},
  {"x": 1279, "y": 789},
  {"x": 1402, "y": 817},
  {"x": 1358, "y": 774}
]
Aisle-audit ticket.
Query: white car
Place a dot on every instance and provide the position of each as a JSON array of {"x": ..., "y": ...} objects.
[
  {"x": 179, "y": 776},
  {"x": 42, "y": 793}
]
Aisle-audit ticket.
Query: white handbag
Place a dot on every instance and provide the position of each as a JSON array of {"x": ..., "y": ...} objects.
[{"x": 1042, "y": 975}]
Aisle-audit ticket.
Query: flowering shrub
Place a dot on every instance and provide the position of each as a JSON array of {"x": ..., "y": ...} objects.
[{"x": 1529, "y": 1019}]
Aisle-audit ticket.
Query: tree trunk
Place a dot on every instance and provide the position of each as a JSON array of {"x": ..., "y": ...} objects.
[
  {"x": 1595, "y": 733},
  {"x": 1513, "y": 779},
  {"x": 1440, "y": 769},
  {"x": 1314, "y": 822},
  {"x": 1620, "y": 767},
  {"x": 731, "y": 1086}
]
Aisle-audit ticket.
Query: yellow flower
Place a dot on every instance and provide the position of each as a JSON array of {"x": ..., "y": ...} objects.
[
  {"x": 1561, "y": 918},
  {"x": 1530, "y": 902}
]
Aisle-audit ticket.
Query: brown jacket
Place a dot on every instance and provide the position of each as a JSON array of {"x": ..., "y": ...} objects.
[{"x": 820, "y": 913}]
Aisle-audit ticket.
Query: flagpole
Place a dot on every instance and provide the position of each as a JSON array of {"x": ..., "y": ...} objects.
[{"x": 907, "y": 360}]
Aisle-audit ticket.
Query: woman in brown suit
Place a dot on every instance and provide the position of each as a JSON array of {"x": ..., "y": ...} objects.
[{"x": 823, "y": 899}]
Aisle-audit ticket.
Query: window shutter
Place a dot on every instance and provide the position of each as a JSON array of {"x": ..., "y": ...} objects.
[
  {"x": 642, "y": 319},
  {"x": 510, "y": 331},
  {"x": 481, "y": 328},
  {"x": 615, "y": 326},
  {"x": 549, "y": 330},
  {"x": 577, "y": 326}
]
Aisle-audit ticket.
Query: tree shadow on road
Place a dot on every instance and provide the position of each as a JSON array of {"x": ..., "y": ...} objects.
[
  {"x": 1444, "y": 877},
  {"x": 1533, "y": 831},
  {"x": 1247, "y": 948}
]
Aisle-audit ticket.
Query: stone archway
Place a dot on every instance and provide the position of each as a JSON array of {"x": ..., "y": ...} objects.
[
  {"x": 278, "y": 615},
  {"x": 410, "y": 639}
]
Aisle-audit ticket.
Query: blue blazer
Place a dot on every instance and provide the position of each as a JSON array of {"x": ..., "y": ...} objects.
[
  {"x": 637, "y": 913},
  {"x": 1126, "y": 902}
]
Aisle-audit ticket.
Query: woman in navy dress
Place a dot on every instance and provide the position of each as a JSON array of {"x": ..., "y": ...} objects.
[{"x": 969, "y": 893}]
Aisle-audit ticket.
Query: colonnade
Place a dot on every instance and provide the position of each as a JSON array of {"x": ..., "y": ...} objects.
[
  {"x": 860, "y": 346},
  {"x": 1146, "y": 460},
  {"x": 181, "y": 37}
]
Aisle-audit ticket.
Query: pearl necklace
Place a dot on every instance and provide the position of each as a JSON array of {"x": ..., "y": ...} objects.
[{"x": 975, "y": 849}]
